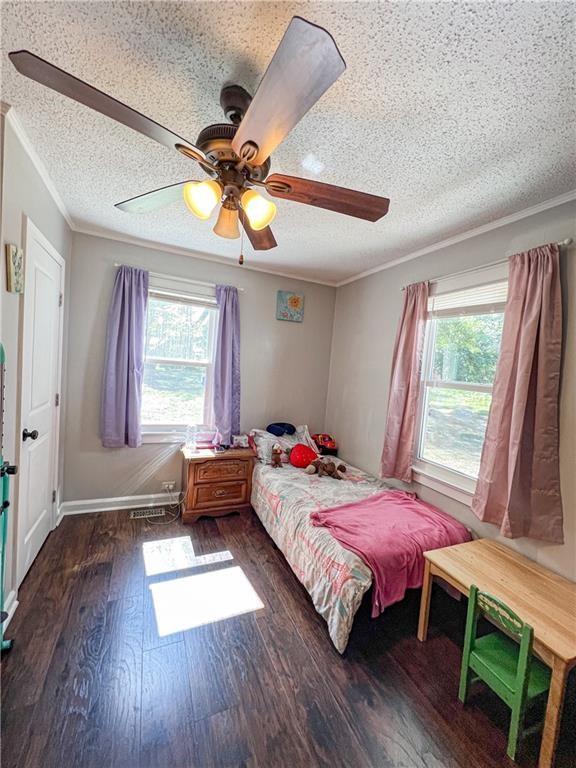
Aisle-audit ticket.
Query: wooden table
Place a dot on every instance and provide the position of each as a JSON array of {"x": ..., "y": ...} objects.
[{"x": 540, "y": 597}]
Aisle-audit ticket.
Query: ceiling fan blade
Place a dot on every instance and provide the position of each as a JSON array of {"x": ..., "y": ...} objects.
[
  {"x": 47, "y": 74},
  {"x": 338, "y": 199},
  {"x": 261, "y": 239},
  {"x": 151, "y": 201},
  {"x": 306, "y": 63}
]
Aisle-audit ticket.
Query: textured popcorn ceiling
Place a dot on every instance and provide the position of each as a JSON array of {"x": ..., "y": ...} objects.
[{"x": 460, "y": 112}]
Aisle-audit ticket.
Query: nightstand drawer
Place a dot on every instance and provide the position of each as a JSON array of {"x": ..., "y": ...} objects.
[
  {"x": 222, "y": 470},
  {"x": 220, "y": 495}
]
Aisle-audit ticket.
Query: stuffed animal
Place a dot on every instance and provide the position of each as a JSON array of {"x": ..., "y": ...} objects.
[
  {"x": 328, "y": 468},
  {"x": 276, "y": 460},
  {"x": 301, "y": 455}
]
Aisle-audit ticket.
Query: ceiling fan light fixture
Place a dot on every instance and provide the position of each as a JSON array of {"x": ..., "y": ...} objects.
[
  {"x": 258, "y": 209},
  {"x": 201, "y": 197},
  {"x": 227, "y": 224}
]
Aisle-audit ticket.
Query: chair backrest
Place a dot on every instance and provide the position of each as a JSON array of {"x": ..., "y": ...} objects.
[
  {"x": 505, "y": 619},
  {"x": 499, "y": 612}
]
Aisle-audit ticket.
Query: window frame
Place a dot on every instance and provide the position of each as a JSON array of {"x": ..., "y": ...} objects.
[
  {"x": 184, "y": 292},
  {"x": 436, "y": 476}
]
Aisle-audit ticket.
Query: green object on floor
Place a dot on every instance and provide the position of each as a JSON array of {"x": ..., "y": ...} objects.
[
  {"x": 503, "y": 661},
  {"x": 6, "y": 469}
]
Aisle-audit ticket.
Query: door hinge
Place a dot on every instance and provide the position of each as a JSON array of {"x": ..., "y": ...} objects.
[
  {"x": 53, "y": 497},
  {"x": 60, "y": 299},
  {"x": 57, "y": 399}
]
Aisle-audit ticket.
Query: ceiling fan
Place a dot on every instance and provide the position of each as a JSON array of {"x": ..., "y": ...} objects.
[{"x": 236, "y": 155}]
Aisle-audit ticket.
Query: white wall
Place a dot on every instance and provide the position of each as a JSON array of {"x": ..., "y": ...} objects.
[
  {"x": 24, "y": 194},
  {"x": 284, "y": 366},
  {"x": 365, "y": 323}
]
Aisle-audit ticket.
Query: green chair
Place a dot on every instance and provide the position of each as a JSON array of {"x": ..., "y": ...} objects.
[{"x": 506, "y": 665}]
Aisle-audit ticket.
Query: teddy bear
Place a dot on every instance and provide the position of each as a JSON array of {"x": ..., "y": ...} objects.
[
  {"x": 323, "y": 467},
  {"x": 276, "y": 460}
]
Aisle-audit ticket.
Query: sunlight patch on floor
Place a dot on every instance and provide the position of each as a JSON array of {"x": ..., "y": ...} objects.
[
  {"x": 191, "y": 601},
  {"x": 177, "y": 554}
]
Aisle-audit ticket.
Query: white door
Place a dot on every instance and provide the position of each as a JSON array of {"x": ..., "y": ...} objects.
[{"x": 39, "y": 422}]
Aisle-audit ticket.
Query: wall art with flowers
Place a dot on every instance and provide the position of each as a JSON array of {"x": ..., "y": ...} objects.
[{"x": 290, "y": 306}]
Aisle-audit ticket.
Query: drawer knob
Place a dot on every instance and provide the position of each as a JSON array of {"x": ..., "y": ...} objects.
[{"x": 220, "y": 492}]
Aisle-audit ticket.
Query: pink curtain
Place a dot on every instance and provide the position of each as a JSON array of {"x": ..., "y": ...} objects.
[
  {"x": 397, "y": 454},
  {"x": 519, "y": 481}
]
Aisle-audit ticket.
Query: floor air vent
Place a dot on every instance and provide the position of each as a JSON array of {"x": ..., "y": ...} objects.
[{"x": 137, "y": 514}]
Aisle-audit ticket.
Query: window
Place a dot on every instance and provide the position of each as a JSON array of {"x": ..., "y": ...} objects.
[
  {"x": 462, "y": 346},
  {"x": 178, "y": 368}
]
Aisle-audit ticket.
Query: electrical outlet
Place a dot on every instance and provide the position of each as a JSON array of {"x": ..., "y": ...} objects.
[{"x": 169, "y": 485}]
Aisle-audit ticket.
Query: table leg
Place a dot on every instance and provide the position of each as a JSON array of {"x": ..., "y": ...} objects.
[
  {"x": 553, "y": 714},
  {"x": 425, "y": 602}
]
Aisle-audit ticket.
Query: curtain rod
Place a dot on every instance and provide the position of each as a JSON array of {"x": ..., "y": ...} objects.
[
  {"x": 561, "y": 244},
  {"x": 175, "y": 277}
]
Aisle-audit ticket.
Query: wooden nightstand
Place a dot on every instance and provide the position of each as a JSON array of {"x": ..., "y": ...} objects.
[{"x": 216, "y": 483}]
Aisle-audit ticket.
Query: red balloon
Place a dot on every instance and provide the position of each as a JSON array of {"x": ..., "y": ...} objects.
[{"x": 302, "y": 455}]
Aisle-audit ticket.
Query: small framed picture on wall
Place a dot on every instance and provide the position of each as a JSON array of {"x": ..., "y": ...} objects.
[
  {"x": 14, "y": 269},
  {"x": 290, "y": 306}
]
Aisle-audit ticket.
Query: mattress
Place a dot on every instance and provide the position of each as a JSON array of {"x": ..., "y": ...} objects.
[{"x": 335, "y": 578}]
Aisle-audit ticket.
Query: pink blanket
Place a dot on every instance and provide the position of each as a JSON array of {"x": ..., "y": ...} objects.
[{"x": 391, "y": 531}]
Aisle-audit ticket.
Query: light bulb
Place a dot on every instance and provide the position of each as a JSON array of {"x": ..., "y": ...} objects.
[
  {"x": 258, "y": 209},
  {"x": 201, "y": 197},
  {"x": 227, "y": 224}
]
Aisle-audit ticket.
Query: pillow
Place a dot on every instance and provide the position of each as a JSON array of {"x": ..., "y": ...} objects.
[
  {"x": 280, "y": 429},
  {"x": 264, "y": 443},
  {"x": 302, "y": 455}
]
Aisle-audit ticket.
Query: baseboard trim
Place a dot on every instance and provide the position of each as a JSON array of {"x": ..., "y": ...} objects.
[
  {"x": 84, "y": 506},
  {"x": 10, "y": 605}
]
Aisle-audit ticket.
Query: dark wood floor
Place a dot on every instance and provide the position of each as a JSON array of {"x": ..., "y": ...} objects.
[{"x": 89, "y": 681}]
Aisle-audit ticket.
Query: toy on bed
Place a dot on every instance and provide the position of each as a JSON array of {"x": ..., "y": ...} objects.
[
  {"x": 301, "y": 456},
  {"x": 328, "y": 468},
  {"x": 327, "y": 445},
  {"x": 276, "y": 460}
]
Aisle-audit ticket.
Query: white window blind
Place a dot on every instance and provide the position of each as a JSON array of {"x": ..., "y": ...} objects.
[
  {"x": 182, "y": 290},
  {"x": 470, "y": 301}
]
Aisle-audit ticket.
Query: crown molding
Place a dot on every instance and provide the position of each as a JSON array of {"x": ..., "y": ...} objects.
[
  {"x": 110, "y": 234},
  {"x": 14, "y": 121},
  {"x": 567, "y": 197}
]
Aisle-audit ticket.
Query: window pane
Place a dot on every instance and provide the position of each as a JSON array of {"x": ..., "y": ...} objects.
[
  {"x": 454, "y": 427},
  {"x": 177, "y": 331},
  {"x": 173, "y": 394},
  {"x": 466, "y": 348}
]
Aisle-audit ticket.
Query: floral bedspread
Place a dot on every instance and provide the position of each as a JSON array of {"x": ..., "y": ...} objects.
[{"x": 335, "y": 577}]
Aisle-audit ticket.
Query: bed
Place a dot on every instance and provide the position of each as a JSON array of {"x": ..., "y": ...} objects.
[{"x": 335, "y": 577}]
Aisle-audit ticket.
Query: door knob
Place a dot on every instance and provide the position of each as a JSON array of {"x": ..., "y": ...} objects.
[{"x": 26, "y": 434}]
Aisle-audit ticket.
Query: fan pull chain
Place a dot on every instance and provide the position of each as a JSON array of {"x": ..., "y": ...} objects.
[{"x": 241, "y": 259}]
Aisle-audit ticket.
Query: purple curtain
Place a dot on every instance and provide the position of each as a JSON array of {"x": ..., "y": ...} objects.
[
  {"x": 519, "y": 480},
  {"x": 398, "y": 450},
  {"x": 124, "y": 360},
  {"x": 227, "y": 366}
]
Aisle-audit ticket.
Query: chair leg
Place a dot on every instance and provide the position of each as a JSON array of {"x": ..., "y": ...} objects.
[
  {"x": 516, "y": 722},
  {"x": 464, "y": 689}
]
